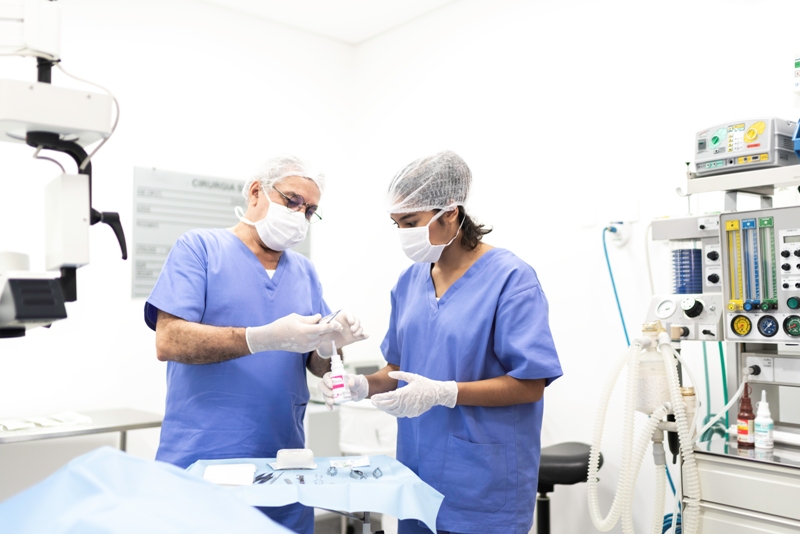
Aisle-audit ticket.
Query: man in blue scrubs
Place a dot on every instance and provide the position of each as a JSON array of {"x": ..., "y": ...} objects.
[
  {"x": 236, "y": 317},
  {"x": 470, "y": 344}
]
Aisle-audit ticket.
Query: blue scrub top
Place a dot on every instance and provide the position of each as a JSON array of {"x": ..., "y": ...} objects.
[
  {"x": 248, "y": 407},
  {"x": 493, "y": 321}
]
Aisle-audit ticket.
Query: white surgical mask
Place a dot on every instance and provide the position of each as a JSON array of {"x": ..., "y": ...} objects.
[
  {"x": 281, "y": 228},
  {"x": 417, "y": 245}
]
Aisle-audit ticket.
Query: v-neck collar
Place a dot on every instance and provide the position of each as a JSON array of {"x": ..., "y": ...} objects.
[
  {"x": 269, "y": 282},
  {"x": 473, "y": 271}
]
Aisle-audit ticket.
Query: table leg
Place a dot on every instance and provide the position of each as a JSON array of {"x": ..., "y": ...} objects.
[{"x": 123, "y": 441}]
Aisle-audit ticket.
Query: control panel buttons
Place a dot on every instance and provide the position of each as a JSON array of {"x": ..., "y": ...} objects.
[
  {"x": 797, "y": 252},
  {"x": 785, "y": 253},
  {"x": 793, "y": 303},
  {"x": 713, "y": 255},
  {"x": 691, "y": 307},
  {"x": 785, "y": 285},
  {"x": 713, "y": 278},
  {"x": 786, "y": 267}
]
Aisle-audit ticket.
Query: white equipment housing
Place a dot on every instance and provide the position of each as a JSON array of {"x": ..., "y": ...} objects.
[
  {"x": 79, "y": 116},
  {"x": 30, "y": 26}
]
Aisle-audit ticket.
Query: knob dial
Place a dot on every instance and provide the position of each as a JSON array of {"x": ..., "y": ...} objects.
[
  {"x": 797, "y": 252},
  {"x": 785, "y": 253},
  {"x": 713, "y": 278},
  {"x": 786, "y": 266},
  {"x": 785, "y": 286},
  {"x": 691, "y": 307},
  {"x": 713, "y": 255}
]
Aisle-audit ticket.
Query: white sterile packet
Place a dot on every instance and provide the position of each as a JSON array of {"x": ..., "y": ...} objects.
[
  {"x": 72, "y": 418},
  {"x": 361, "y": 461},
  {"x": 44, "y": 421},
  {"x": 294, "y": 459},
  {"x": 16, "y": 424},
  {"x": 230, "y": 474}
]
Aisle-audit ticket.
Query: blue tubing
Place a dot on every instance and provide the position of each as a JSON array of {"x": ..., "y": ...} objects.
[{"x": 614, "y": 286}]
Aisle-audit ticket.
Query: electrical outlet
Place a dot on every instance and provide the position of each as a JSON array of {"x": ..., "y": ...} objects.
[{"x": 619, "y": 233}]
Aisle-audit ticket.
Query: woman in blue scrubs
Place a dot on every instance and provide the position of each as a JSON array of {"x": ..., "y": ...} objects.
[{"x": 469, "y": 354}]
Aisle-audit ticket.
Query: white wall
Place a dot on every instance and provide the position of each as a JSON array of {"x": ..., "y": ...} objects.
[{"x": 570, "y": 114}]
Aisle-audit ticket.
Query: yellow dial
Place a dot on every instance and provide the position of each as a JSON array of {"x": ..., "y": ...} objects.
[{"x": 741, "y": 325}]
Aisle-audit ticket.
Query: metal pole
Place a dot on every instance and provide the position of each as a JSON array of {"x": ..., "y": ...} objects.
[{"x": 542, "y": 514}]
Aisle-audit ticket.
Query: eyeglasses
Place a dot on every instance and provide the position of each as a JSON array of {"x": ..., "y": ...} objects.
[{"x": 296, "y": 202}]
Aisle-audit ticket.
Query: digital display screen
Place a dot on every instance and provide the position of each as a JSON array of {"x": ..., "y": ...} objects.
[
  {"x": 791, "y": 239},
  {"x": 701, "y": 144}
]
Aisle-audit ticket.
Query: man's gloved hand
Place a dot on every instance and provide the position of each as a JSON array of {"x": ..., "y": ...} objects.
[
  {"x": 293, "y": 333},
  {"x": 351, "y": 332},
  {"x": 359, "y": 388},
  {"x": 420, "y": 395}
]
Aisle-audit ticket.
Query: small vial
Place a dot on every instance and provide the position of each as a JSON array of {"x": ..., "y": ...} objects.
[
  {"x": 341, "y": 391},
  {"x": 764, "y": 424}
]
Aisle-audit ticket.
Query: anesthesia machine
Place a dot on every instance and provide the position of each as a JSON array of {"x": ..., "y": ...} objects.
[
  {"x": 736, "y": 284},
  {"x": 47, "y": 117}
]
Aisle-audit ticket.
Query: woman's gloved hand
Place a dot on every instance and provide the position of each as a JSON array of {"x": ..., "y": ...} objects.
[
  {"x": 293, "y": 333},
  {"x": 359, "y": 388},
  {"x": 420, "y": 395},
  {"x": 351, "y": 332}
]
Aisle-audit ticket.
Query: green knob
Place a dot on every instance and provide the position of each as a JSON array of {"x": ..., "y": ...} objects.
[
  {"x": 765, "y": 306},
  {"x": 793, "y": 303}
]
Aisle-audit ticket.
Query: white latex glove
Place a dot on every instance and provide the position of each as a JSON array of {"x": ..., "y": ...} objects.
[
  {"x": 293, "y": 333},
  {"x": 420, "y": 395},
  {"x": 359, "y": 388},
  {"x": 351, "y": 332}
]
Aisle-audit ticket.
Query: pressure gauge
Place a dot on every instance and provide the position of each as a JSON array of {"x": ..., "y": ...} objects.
[
  {"x": 791, "y": 325},
  {"x": 665, "y": 308},
  {"x": 767, "y": 326},
  {"x": 741, "y": 325}
]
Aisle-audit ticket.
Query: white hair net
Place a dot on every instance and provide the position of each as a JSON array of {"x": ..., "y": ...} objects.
[
  {"x": 282, "y": 166},
  {"x": 433, "y": 182}
]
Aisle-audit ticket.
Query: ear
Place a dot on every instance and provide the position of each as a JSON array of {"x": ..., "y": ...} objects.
[
  {"x": 255, "y": 191},
  {"x": 451, "y": 216}
]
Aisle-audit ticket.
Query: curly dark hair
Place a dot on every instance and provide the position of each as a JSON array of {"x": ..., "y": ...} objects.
[{"x": 471, "y": 231}]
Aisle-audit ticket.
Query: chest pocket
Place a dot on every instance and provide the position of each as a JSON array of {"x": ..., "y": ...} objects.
[{"x": 475, "y": 475}]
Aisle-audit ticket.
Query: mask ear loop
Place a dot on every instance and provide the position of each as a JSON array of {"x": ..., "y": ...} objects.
[
  {"x": 459, "y": 226},
  {"x": 240, "y": 212}
]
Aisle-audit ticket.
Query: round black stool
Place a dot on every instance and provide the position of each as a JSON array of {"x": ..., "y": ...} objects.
[{"x": 563, "y": 463}]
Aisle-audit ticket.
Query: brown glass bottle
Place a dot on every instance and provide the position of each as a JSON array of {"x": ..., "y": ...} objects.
[{"x": 746, "y": 435}]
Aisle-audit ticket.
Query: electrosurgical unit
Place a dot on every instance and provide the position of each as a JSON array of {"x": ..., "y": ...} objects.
[{"x": 745, "y": 145}]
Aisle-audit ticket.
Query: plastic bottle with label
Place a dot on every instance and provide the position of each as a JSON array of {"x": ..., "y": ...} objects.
[
  {"x": 746, "y": 437},
  {"x": 764, "y": 424},
  {"x": 340, "y": 388}
]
